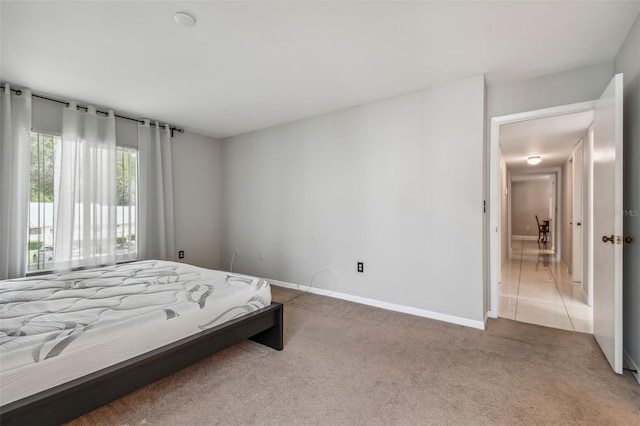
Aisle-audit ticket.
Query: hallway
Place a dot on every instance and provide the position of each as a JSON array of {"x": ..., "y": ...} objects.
[{"x": 537, "y": 289}]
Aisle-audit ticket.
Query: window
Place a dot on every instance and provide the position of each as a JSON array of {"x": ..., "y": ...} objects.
[
  {"x": 127, "y": 161},
  {"x": 41, "y": 206},
  {"x": 41, "y": 236}
]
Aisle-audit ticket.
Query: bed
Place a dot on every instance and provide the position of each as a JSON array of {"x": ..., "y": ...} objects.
[{"x": 72, "y": 342}]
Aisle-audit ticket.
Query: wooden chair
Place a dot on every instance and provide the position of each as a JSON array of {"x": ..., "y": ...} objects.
[{"x": 542, "y": 230}]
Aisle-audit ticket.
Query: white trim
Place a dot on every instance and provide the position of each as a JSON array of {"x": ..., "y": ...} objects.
[
  {"x": 384, "y": 305},
  {"x": 494, "y": 182},
  {"x": 547, "y": 171},
  {"x": 566, "y": 269},
  {"x": 525, "y": 237},
  {"x": 590, "y": 216},
  {"x": 564, "y": 265},
  {"x": 578, "y": 272},
  {"x": 509, "y": 229},
  {"x": 545, "y": 112},
  {"x": 630, "y": 364},
  {"x": 531, "y": 177}
]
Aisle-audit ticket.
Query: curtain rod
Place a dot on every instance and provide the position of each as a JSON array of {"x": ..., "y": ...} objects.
[{"x": 19, "y": 92}]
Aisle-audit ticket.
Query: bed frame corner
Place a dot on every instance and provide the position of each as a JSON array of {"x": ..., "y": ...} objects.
[{"x": 77, "y": 397}]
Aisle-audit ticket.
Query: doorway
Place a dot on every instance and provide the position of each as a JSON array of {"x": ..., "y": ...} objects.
[
  {"x": 531, "y": 279},
  {"x": 604, "y": 177},
  {"x": 536, "y": 288},
  {"x": 535, "y": 284}
]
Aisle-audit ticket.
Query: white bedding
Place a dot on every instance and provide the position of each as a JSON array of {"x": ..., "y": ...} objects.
[{"x": 58, "y": 327}]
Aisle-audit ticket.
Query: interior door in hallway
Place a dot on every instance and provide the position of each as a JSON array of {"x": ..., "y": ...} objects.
[
  {"x": 576, "y": 213},
  {"x": 607, "y": 226}
]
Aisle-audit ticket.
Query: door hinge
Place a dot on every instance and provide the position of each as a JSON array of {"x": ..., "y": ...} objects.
[{"x": 484, "y": 206}]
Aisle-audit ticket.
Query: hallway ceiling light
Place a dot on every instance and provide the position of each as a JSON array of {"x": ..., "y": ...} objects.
[
  {"x": 533, "y": 160},
  {"x": 184, "y": 19}
]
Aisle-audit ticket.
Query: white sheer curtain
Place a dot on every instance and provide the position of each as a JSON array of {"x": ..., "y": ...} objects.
[
  {"x": 85, "y": 190},
  {"x": 15, "y": 140},
  {"x": 156, "y": 238}
]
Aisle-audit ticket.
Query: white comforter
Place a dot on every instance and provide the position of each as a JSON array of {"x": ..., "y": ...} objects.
[{"x": 45, "y": 317}]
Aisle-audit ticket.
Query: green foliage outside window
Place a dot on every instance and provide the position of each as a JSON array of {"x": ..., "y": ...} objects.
[
  {"x": 124, "y": 239},
  {"x": 126, "y": 163},
  {"x": 35, "y": 245},
  {"x": 42, "y": 166}
]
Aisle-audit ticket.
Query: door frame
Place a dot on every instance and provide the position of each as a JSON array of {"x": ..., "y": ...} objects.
[
  {"x": 577, "y": 248},
  {"x": 555, "y": 178},
  {"x": 588, "y": 270},
  {"x": 493, "y": 168}
]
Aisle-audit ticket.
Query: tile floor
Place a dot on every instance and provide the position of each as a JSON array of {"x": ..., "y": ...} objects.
[{"x": 536, "y": 288}]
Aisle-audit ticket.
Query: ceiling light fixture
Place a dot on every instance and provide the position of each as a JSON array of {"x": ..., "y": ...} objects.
[
  {"x": 184, "y": 19},
  {"x": 533, "y": 160}
]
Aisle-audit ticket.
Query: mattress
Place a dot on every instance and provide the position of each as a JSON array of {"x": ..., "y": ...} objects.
[{"x": 55, "y": 328}]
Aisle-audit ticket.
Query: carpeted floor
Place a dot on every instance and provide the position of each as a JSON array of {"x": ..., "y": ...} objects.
[{"x": 345, "y": 363}]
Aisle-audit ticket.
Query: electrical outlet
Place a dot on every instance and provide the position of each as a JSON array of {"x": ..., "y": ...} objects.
[
  {"x": 360, "y": 266},
  {"x": 181, "y": 254}
]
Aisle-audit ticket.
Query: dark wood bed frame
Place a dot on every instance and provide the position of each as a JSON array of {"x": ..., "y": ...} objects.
[{"x": 72, "y": 399}]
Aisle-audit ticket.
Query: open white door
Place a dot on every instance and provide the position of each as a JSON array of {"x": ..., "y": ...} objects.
[{"x": 607, "y": 223}]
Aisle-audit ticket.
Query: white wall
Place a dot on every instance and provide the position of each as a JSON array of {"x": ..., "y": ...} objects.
[
  {"x": 47, "y": 118},
  {"x": 396, "y": 184},
  {"x": 628, "y": 62},
  {"x": 578, "y": 85},
  {"x": 197, "y": 183},
  {"x": 529, "y": 198}
]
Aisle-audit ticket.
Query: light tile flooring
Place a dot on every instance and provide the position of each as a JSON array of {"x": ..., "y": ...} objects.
[{"x": 536, "y": 288}]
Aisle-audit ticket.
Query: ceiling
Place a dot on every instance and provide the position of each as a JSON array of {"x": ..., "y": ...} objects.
[
  {"x": 251, "y": 65},
  {"x": 552, "y": 138}
]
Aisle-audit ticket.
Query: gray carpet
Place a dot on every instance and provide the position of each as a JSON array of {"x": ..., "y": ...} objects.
[{"x": 346, "y": 363}]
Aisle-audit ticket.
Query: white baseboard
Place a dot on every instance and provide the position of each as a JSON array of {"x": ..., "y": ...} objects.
[
  {"x": 525, "y": 237},
  {"x": 632, "y": 365},
  {"x": 490, "y": 314},
  {"x": 385, "y": 305}
]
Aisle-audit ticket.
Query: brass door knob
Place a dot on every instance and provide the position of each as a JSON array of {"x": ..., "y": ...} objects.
[
  {"x": 606, "y": 239},
  {"x": 628, "y": 240}
]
